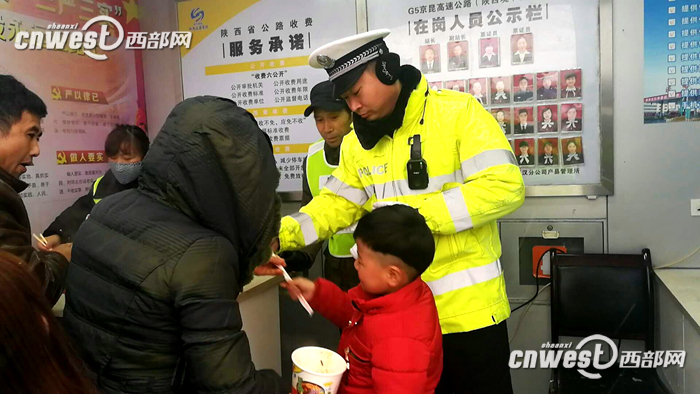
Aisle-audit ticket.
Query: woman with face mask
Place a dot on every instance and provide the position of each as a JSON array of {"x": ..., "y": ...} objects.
[{"x": 125, "y": 148}]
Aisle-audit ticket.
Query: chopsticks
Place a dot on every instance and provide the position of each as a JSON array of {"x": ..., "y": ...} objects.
[
  {"x": 302, "y": 300},
  {"x": 41, "y": 240}
]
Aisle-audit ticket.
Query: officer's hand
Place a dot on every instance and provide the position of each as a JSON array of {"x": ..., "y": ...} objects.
[
  {"x": 271, "y": 268},
  {"x": 300, "y": 287},
  {"x": 52, "y": 241}
]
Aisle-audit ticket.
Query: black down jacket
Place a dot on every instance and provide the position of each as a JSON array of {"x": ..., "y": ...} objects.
[{"x": 151, "y": 291}]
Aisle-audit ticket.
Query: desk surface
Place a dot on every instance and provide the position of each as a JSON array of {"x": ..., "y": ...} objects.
[
  {"x": 684, "y": 284},
  {"x": 259, "y": 284}
]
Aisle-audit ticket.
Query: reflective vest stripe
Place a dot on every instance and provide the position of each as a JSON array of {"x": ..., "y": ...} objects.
[
  {"x": 399, "y": 187},
  {"x": 354, "y": 195},
  {"x": 469, "y": 167},
  {"x": 94, "y": 190},
  {"x": 485, "y": 160},
  {"x": 465, "y": 278},
  {"x": 459, "y": 213},
  {"x": 318, "y": 175},
  {"x": 307, "y": 227}
]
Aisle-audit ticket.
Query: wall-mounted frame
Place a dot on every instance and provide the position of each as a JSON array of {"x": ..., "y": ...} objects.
[{"x": 558, "y": 41}]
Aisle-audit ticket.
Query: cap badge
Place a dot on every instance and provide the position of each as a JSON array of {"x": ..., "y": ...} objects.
[{"x": 325, "y": 61}]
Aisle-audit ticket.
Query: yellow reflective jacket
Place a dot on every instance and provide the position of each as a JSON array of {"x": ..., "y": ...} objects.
[{"x": 474, "y": 180}]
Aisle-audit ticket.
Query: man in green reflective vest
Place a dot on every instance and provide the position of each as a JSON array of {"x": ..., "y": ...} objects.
[{"x": 333, "y": 121}]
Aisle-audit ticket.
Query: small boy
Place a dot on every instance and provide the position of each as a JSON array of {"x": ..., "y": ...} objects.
[{"x": 391, "y": 334}]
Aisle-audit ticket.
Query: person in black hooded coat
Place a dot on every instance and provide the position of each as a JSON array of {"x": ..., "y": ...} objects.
[{"x": 151, "y": 292}]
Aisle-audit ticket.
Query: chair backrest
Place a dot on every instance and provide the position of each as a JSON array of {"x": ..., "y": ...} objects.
[{"x": 603, "y": 294}]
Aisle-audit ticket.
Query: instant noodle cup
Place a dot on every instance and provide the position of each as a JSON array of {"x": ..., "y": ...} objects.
[{"x": 316, "y": 370}]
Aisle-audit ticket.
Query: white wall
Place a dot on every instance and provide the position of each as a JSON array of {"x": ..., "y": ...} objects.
[{"x": 657, "y": 167}]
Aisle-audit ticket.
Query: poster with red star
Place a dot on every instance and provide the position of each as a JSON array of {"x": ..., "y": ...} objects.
[{"x": 86, "y": 98}]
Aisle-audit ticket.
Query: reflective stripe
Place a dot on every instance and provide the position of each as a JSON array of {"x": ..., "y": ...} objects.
[
  {"x": 347, "y": 230},
  {"x": 315, "y": 147},
  {"x": 469, "y": 167},
  {"x": 340, "y": 188},
  {"x": 399, "y": 187},
  {"x": 94, "y": 190},
  {"x": 459, "y": 212},
  {"x": 465, "y": 278},
  {"x": 486, "y": 159},
  {"x": 312, "y": 149},
  {"x": 307, "y": 227}
]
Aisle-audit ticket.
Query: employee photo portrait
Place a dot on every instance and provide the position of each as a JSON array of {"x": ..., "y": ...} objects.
[
  {"x": 500, "y": 90},
  {"x": 522, "y": 88},
  {"x": 504, "y": 118},
  {"x": 489, "y": 50},
  {"x": 430, "y": 58},
  {"x": 522, "y": 49},
  {"x": 524, "y": 122},
  {"x": 479, "y": 89},
  {"x": 547, "y": 83},
  {"x": 457, "y": 55},
  {"x": 571, "y": 117}
]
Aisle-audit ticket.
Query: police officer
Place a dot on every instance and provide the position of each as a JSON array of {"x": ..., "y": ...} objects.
[
  {"x": 333, "y": 120},
  {"x": 442, "y": 153}
]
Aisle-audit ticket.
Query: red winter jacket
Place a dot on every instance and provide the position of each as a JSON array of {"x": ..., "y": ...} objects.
[{"x": 393, "y": 342}]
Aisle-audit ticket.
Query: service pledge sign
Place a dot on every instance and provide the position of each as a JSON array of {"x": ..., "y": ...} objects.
[{"x": 255, "y": 52}]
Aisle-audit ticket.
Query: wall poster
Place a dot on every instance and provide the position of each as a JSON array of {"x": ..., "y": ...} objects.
[
  {"x": 671, "y": 64},
  {"x": 85, "y": 97},
  {"x": 255, "y": 52}
]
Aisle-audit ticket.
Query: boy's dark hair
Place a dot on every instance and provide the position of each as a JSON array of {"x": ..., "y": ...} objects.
[
  {"x": 400, "y": 231},
  {"x": 570, "y": 75},
  {"x": 126, "y": 138},
  {"x": 15, "y": 98}
]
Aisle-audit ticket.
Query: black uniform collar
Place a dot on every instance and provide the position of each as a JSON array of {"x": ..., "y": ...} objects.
[
  {"x": 332, "y": 154},
  {"x": 370, "y": 132}
]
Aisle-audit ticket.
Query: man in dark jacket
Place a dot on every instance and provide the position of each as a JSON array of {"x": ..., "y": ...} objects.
[
  {"x": 20, "y": 129},
  {"x": 151, "y": 295}
]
